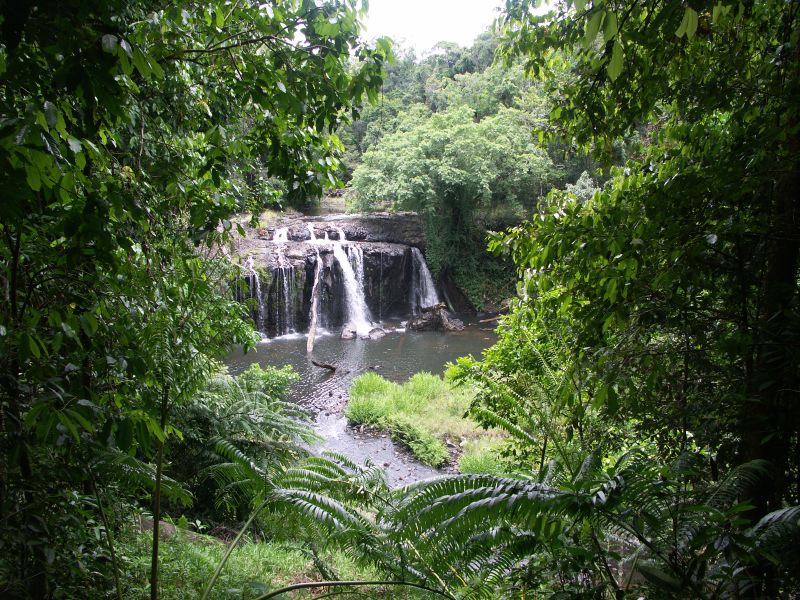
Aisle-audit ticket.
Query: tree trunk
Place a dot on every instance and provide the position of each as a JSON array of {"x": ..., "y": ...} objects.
[{"x": 770, "y": 413}]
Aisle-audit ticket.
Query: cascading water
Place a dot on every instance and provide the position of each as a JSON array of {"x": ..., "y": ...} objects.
[
  {"x": 358, "y": 316},
  {"x": 423, "y": 290},
  {"x": 356, "y": 255},
  {"x": 283, "y": 300},
  {"x": 255, "y": 292},
  {"x": 355, "y": 282},
  {"x": 281, "y": 235}
]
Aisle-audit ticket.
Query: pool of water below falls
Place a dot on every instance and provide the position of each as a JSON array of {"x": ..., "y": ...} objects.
[{"x": 397, "y": 356}]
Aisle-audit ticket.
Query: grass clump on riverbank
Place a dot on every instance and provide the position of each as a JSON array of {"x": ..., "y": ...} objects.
[
  {"x": 423, "y": 413},
  {"x": 482, "y": 456}
]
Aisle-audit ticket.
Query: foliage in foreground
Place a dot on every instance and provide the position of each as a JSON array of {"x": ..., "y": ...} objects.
[
  {"x": 131, "y": 132},
  {"x": 254, "y": 567},
  {"x": 636, "y": 526},
  {"x": 675, "y": 289}
]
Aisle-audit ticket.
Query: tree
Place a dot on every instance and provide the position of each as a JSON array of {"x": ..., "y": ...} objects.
[
  {"x": 678, "y": 285},
  {"x": 127, "y": 132},
  {"x": 462, "y": 175}
]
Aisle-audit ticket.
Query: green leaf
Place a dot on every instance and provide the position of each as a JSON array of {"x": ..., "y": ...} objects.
[
  {"x": 126, "y": 48},
  {"x": 82, "y": 421},
  {"x": 109, "y": 43},
  {"x": 33, "y": 177},
  {"x": 688, "y": 25},
  {"x": 610, "y": 29},
  {"x": 691, "y": 26},
  {"x": 88, "y": 324},
  {"x": 50, "y": 113},
  {"x": 141, "y": 64},
  {"x": 67, "y": 422},
  {"x": 659, "y": 578},
  {"x": 615, "y": 64},
  {"x": 74, "y": 144},
  {"x": 592, "y": 28}
]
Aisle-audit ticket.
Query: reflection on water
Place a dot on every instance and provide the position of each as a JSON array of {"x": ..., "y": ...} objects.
[{"x": 396, "y": 357}]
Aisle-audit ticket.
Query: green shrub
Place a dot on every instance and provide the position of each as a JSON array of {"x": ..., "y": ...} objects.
[
  {"x": 273, "y": 381},
  {"x": 253, "y": 568},
  {"x": 423, "y": 413},
  {"x": 425, "y": 446},
  {"x": 482, "y": 456},
  {"x": 426, "y": 387},
  {"x": 370, "y": 383},
  {"x": 369, "y": 410}
]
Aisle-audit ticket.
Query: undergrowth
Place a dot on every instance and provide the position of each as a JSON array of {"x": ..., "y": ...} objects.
[
  {"x": 423, "y": 413},
  {"x": 254, "y": 568},
  {"x": 482, "y": 456}
]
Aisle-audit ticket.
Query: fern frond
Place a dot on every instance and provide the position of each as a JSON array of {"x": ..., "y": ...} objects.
[
  {"x": 122, "y": 466},
  {"x": 732, "y": 486}
]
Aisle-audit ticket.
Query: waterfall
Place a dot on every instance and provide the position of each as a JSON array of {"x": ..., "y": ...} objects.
[
  {"x": 255, "y": 292},
  {"x": 312, "y": 329},
  {"x": 358, "y": 316},
  {"x": 356, "y": 255},
  {"x": 350, "y": 279},
  {"x": 423, "y": 290},
  {"x": 281, "y": 235},
  {"x": 283, "y": 300}
]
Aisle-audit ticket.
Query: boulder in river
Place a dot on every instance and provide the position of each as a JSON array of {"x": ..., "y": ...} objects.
[
  {"x": 435, "y": 318},
  {"x": 376, "y": 334},
  {"x": 349, "y": 333}
]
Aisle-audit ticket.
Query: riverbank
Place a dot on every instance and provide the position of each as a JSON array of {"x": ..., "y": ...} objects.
[{"x": 396, "y": 357}]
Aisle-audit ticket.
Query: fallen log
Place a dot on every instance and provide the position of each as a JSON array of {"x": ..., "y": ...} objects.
[{"x": 323, "y": 365}]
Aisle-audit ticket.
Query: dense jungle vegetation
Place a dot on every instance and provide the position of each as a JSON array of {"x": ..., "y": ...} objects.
[{"x": 636, "y": 163}]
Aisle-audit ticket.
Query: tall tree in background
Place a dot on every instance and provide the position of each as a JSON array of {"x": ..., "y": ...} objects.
[{"x": 677, "y": 286}]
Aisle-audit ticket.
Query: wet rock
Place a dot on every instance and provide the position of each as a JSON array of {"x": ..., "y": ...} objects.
[
  {"x": 348, "y": 333},
  {"x": 435, "y": 318},
  {"x": 376, "y": 334}
]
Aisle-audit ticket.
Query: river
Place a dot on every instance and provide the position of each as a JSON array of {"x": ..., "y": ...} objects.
[{"x": 397, "y": 356}]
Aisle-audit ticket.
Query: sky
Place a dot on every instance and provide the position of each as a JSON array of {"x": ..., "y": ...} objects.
[{"x": 420, "y": 24}]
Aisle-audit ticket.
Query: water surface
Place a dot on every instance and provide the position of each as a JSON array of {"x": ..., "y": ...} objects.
[{"x": 396, "y": 357}]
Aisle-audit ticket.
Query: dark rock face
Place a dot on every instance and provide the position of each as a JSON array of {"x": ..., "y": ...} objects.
[
  {"x": 435, "y": 318},
  {"x": 397, "y": 228},
  {"x": 387, "y": 279},
  {"x": 455, "y": 298},
  {"x": 284, "y": 261}
]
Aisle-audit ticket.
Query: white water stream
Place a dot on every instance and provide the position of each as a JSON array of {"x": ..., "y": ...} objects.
[
  {"x": 351, "y": 264},
  {"x": 423, "y": 290}
]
